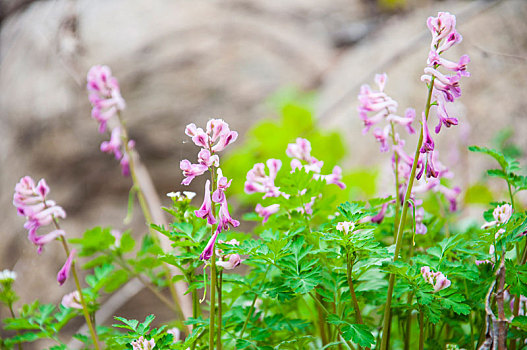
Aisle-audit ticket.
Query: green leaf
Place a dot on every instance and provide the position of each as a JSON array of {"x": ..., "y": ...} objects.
[{"x": 358, "y": 333}]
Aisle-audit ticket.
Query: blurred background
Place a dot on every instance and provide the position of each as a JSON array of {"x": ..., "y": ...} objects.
[{"x": 290, "y": 66}]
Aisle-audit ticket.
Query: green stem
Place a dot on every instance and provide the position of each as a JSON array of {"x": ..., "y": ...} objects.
[
  {"x": 251, "y": 309},
  {"x": 421, "y": 330},
  {"x": 470, "y": 320},
  {"x": 349, "y": 269},
  {"x": 79, "y": 289},
  {"x": 212, "y": 298},
  {"x": 149, "y": 286},
  {"x": 220, "y": 286},
  {"x": 13, "y": 315},
  {"x": 396, "y": 171},
  {"x": 327, "y": 313},
  {"x": 408, "y": 324},
  {"x": 402, "y": 221}
]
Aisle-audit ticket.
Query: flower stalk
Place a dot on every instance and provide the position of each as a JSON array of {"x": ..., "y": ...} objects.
[{"x": 402, "y": 221}]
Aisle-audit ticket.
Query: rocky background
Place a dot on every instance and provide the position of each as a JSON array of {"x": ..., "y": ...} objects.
[{"x": 186, "y": 61}]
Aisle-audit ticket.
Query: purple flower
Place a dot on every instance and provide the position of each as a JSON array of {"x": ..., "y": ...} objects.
[
  {"x": 209, "y": 248},
  {"x": 333, "y": 178},
  {"x": 224, "y": 217},
  {"x": 442, "y": 113},
  {"x": 64, "y": 272},
  {"x": 205, "y": 211},
  {"x": 190, "y": 171},
  {"x": 428, "y": 142},
  {"x": 266, "y": 212},
  {"x": 380, "y": 215},
  {"x": 104, "y": 95}
]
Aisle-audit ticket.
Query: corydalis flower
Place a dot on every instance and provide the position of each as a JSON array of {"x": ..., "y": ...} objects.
[
  {"x": 230, "y": 261},
  {"x": 224, "y": 217},
  {"x": 30, "y": 201},
  {"x": 105, "y": 95},
  {"x": 501, "y": 215},
  {"x": 64, "y": 272},
  {"x": 72, "y": 300},
  {"x": 436, "y": 279},
  {"x": 205, "y": 211},
  {"x": 266, "y": 212},
  {"x": 143, "y": 344},
  {"x": 216, "y": 137},
  {"x": 259, "y": 181}
]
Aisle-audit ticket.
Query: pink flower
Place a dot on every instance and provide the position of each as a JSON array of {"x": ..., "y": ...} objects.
[
  {"x": 190, "y": 171},
  {"x": 233, "y": 260},
  {"x": 382, "y": 136},
  {"x": 42, "y": 240},
  {"x": 420, "y": 228},
  {"x": 259, "y": 181},
  {"x": 222, "y": 184},
  {"x": 205, "y": 211},
  {"x": 205, "y": 158},
  {"x": 406, "y": 121},
  {"x": 114, "y": 145},
  {"x": 436, "y": 279},
  {"x": 443, "y": 26},
  {"x": 300, "y": 150},
  {"x": 266, "y": 212},
  {"x": 72, "y": 300},
  {"x": 64, "y": 272},
  {"x": 143, "y": 344},
  {"x": 380, "y": 215},
  {"x": 333, "y": 178},
  {"x": 104, "y": 95},
  {"x": 30, "y": 201}
]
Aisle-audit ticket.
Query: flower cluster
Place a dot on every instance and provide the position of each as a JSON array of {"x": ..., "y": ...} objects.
[
  {"x": 501, "y": 215},
  {"x": 143, "y": 344},
  {"x": 7, "y": 276},
  {"x": 445, "y": 87},
  {"x": 384, "y": 108},
  {"x": 258, "y": 181},
  {"x": 228, "y": 261},
  {"x": 436, "y": 279},
  {"x": 106, "y": 100},
  {"x": 346, "y": 226},
  {"x": 30, "y": 201},
  {"x": 214, "y": 139}
]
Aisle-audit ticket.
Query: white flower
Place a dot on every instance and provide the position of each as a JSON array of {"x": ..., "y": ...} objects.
[
  {"x": 346, "y": 226},
  {"x": 7, "y": 275}
]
